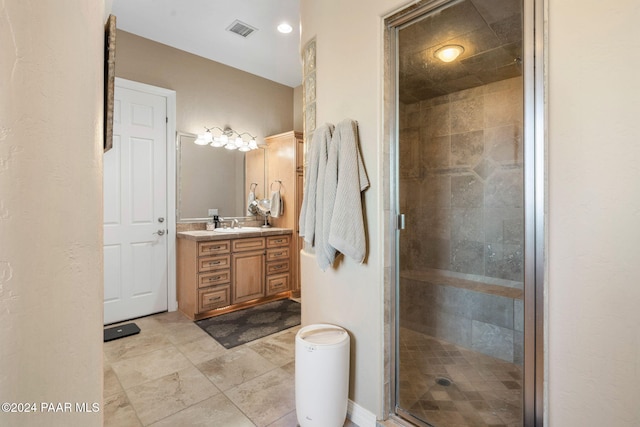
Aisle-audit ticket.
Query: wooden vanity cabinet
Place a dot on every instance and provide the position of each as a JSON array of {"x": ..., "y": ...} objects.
[
  {"x": 285, "y": 157},
  {"x": 204, "y": 275},
  {"x": 278, "y": 264},
  {"x": 248, "y": 265},
  {"x": 298, "y": 242},
  {"x": 218, "y": 276}
]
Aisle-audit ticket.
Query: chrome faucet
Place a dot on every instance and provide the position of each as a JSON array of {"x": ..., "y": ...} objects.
[{"x": 232, "y": 221}]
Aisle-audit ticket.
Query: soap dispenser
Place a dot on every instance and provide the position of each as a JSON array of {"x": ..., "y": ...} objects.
[{"x": 214, "y": 221}]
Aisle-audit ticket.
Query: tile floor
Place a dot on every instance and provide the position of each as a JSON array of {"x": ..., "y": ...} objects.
[
  {"x": 484, "y": 391},
  {"x": 173, "y": 374}
]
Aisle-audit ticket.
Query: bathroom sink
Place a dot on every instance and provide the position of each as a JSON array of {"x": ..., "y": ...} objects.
[{"x": 238, "y": 230}]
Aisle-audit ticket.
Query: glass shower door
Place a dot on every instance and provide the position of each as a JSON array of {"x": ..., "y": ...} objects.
[{"x": 460, "y": 258}]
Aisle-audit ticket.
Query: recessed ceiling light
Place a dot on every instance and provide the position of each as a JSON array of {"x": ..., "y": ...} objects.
[
  {"x": 449, "y": 52},
  {"x": 285, "y": 28}
]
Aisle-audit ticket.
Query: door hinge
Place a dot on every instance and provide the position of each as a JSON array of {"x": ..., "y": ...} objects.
[
  {"x": 166, "y": 119},
  {"x": 400, "y": 222}
]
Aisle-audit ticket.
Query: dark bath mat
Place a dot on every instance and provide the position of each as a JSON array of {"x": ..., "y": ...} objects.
[
  {"x": 120, "y": 331},
  {"x": 243, "y": 326}
]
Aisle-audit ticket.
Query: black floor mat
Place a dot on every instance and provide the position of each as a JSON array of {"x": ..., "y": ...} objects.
[
  {"x": 240, "y": 327},
  {"x": 120, "y": 331}
]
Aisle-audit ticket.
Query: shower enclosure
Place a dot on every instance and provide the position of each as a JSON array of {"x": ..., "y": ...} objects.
[{"x": 458, "y": 185}]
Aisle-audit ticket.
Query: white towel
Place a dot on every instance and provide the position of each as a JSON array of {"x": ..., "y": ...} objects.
[
  {"x": 325, "y": 254},
  {"x": 316, "y": 151},
  {"x": 250, "y": 198},
  {"x": 277, "y": 206},
  {"x": 345, "y": 179}
]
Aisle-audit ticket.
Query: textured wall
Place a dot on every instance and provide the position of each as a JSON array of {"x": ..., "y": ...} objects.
[
  {"x": 349, "y": 81},
  {"x": 594, "y": 213},
  {"x": 51, "y": 209}
]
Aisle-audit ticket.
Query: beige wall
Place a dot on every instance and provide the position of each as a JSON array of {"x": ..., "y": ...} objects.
[
  {"x": 594, "y": 213},
  {"x": 208, "y": 93},
  {"x": 297, "y": 109},
  {"x": 51, "y": 209},
  {"x": 594, "y": 200},
  {"x": 352, "y": 294}
]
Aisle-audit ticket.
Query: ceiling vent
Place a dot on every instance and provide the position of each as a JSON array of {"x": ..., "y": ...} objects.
[{"x": 241, "y": 29}]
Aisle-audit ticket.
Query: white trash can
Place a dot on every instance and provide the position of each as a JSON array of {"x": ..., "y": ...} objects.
[{"x": 322, "y": 375}]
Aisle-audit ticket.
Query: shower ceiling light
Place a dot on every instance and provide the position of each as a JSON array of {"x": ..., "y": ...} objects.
[
  {"x": 449, "y": 52},
  {"x": 227, "y": 140}
]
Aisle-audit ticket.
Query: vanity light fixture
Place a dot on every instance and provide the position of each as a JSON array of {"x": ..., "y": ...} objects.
[
  {"x": 449, "y": 52},
  {"x": 228, "y": 138}
]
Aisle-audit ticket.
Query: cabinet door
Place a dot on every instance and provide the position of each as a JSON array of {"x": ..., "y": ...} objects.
[{"x": 248, "y": 275}]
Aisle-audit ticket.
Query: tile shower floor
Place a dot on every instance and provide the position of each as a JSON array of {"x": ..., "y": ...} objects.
[
  {"x": 484, "y": 391},
  {"x": 173, "y": 374}
]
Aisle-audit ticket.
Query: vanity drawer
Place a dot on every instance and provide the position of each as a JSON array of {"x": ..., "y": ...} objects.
[
  {"x": 278, "y": 241},
  {"x": 216, "y": 278},
  {"x": 277, "y": 267},
  {"x": 214, "y": 297},
  {"x": 247, "y": 244},
  {"x": 213, "y": 263},
  {"x": 214, "y": 248},
  {"x": 277, "y": 254},
  {"x": 277, "y": 283}
]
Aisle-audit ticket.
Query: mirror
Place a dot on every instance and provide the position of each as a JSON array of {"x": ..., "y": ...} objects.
[{"x": 213, "y": 178}]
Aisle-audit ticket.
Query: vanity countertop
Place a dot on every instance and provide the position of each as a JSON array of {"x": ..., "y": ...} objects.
[{"x": 205, "y": 235}]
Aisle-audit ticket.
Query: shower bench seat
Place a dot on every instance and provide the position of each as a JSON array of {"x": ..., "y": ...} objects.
[
  {"x": 481, "y": 315},
  {"x": 503, "y": 288}
]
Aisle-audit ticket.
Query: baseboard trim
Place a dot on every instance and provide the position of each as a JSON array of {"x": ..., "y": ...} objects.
[{"x": 360, "y": 416}]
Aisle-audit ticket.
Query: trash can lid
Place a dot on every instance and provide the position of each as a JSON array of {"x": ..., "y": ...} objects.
[{"x": 323, "y": 334}]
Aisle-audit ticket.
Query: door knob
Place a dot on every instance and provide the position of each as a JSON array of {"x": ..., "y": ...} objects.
[{"x": 159, "y": 232}]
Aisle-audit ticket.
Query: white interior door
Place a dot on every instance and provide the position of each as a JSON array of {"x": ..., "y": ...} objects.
[{"x": 135, "y": 208}]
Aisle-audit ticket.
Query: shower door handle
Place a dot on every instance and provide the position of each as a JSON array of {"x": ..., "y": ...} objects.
[{"x": 400, "y": 222}]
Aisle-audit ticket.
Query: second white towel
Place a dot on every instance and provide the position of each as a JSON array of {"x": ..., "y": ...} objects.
[
  {"x": 277, "y": 205},
  {"x": 250, "y": 199}
]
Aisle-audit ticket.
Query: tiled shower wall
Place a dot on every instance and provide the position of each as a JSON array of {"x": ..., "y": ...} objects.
[
  {"x": 461, "y": 189},
  {"x": 461, "y": 175}
]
